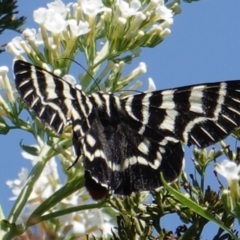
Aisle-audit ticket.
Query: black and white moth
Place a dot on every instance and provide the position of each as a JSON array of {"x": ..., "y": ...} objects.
[{"x": 128, "y": 141}]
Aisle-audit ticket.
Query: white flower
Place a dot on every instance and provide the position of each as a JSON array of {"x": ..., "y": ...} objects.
[
  {"x": 29, "y": 34},
  {"x": 163, "y": 11},
  {"x": 91, "y": 7},
  {"x": 14, "y": 46},
  {"x": 80, "y": 28},
  {"x": 39, "y": 15},
  {"x": 54, "y": 22},
  {"x": 129, "y": 9},
  {"x": 231, "y": 171},
  {"x": 228, "y": 169},
  {"x": 60, "y": 7},
  {"x": 165, "y": 14}
]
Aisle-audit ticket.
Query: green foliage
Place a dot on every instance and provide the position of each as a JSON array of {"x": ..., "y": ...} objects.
[{"x": 8, "y": 20}]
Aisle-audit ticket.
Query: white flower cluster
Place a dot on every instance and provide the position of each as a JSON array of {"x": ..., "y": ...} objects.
[
  {"x": 78, "y": 223},
  {"x": 124, "y": 18},
  {"x": 101, "y": 32}
]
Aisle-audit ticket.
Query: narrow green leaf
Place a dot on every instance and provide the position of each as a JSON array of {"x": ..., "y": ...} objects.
[{"x": 195, "y": 207}]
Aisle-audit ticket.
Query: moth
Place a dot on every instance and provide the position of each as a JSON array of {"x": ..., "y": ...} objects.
[{"x": 127, "y": 141}]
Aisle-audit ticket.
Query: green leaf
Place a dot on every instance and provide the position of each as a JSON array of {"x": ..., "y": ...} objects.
[
  {"x": 8, "y": 19},
  {"x": 195, "y": 207},
  {"x": 29, "y": 149}
]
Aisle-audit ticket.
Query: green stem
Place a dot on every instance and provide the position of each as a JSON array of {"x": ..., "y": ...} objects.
[
  {"x": 28, "y": 187},
  {"x": 60, "y": 213}
]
